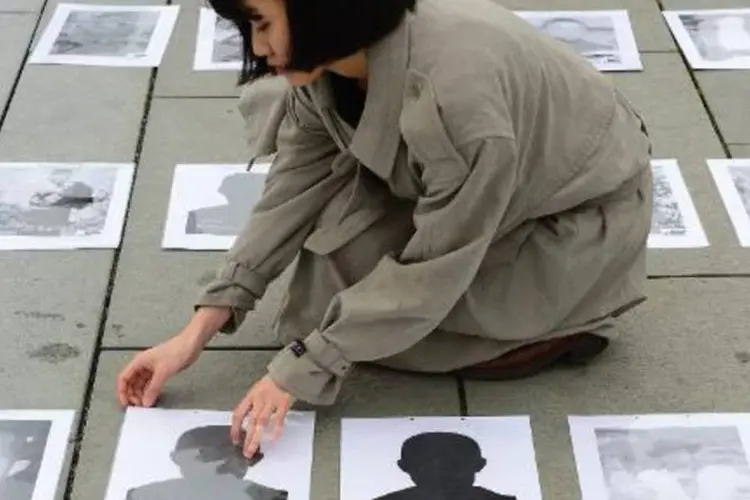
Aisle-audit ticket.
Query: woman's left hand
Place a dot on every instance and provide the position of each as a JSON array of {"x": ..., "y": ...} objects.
[{"x": 264, "y": 401}]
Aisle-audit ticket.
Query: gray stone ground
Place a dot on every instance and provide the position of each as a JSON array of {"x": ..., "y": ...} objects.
[{"x": 70, "y": 320}]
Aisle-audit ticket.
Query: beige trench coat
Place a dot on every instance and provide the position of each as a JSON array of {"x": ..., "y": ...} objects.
[{"x": 496, "y": 192}]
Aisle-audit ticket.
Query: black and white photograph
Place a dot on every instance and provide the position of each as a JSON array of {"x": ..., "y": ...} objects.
[
  {"x": 713, "y": 38},
  {"x": 47, "y": 206},
  {"x": 188, "y": 454},
  {"x": 605, "y": 38},
  {"x": 219, "y": 45},
  {"x": 106, "y": 35},
  {"x": 211, "y": 203},
  {"x": 33, "y": 446},
  {"x": 732, "y": 177},
  {"x": 413, "y": 458},
  {"x": 675, "y": 222},
  {"x": 662, "y": 457}
]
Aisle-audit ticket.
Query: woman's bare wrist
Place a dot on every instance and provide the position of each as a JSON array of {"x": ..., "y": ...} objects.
[{"x": 206, "y": 323}]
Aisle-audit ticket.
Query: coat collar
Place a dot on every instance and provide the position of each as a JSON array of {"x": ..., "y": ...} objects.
[{"x": 376, "y": 140}]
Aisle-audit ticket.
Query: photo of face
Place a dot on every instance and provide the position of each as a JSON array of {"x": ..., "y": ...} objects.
[
  {"x": 22, "y": 445},
  {"x": 272, "y": 40}
]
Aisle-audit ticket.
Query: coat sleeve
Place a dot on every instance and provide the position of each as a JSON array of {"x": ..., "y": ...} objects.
[
  {"x": 296, "y": 189},
  {"x": 466, "y": 194}
]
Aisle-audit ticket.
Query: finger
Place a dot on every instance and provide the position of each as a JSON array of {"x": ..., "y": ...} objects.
[
  {"x": 124, "y": 380},
  {"x": 238, "y": 416},
  {"x": 279, "y": 417},
  {"x": 153, "y": 388},
  {"x": 255, "y": 430},
  {"x": 139, "y": 387}
]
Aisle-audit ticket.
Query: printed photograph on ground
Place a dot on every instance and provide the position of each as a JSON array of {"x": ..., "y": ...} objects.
[
  {"x": 63, "y": 205},
  {"x": 605, "y": 38},
  {"x": 188, "y": 455},
  {"x": 713, "y": 38},
  {"x": 438, "y": 457},
  {"x": 33, "y": 446},
  {"x": 210, "y": 204},
  {"x": 218, "y": 45},
  {"x": 675, "y": 221},
  {"x": 662, "y": 457},
  {"x": 106, "y": 35},
  {"x": 732, "y": 177}
]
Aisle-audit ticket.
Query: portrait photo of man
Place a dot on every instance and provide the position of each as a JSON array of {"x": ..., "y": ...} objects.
[
  {"x": 212, "y": 468},
  {"x": 22, "y": 445},
  {"x": 442, "y": 465}
]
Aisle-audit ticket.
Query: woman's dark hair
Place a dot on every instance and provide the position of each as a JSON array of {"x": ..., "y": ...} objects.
[{"x": 321, "y": 31}]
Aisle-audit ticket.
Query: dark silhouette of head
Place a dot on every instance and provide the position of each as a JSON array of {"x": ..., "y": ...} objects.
[
  {"x": 208, "y": 451},
  {"x": 22, "y": 440},
  {"x": 238, "y": 188},
  {"x": 443, "y": 461}
]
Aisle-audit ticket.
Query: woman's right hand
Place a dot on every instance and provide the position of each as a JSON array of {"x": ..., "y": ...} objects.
[{"x": 140, "y": 383}]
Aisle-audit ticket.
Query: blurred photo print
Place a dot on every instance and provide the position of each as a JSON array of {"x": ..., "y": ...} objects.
[
  {"x": 605, "y": 38},
  {"x": 188, "y": 455},
  {"x": 211, "y": 203},
  {"x": 713, "y": 38},
  {"x": 732, "y": 178},
  {"x": 219, "y": 45},
  {"x": 675, "y": 222},
  {"x": 488, "y": 458},
  {"x": 47, "y": 206},
  {"x": 33, "y": 446},
  {"x": 662, "y": 457},
  {"x": 106, "y": 35}
]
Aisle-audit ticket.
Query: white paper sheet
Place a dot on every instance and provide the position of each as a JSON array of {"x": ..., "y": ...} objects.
[
  {"x": 210, "y": 204},
  {"x": 604, "y": 37},
  {"x": 219, "y": 44},
  {"x": 662, "y": 457},
  {"x": 33, "y": 447},
  {"x": 675, "y": 223},
  {"x": 371, "y": 450},
  {"x": 48, "y": 206},
  {"x": 106, "y": 35},
  {"x": 712, "y": 38},
  {"x": 732, "y": 177},
  {"x": 147, "y": 456}
]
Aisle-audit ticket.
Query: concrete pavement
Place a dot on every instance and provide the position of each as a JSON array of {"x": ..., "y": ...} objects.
[{"x": 71, "y": 319}]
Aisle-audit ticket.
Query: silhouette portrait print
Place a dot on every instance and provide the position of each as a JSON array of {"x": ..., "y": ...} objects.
[
  {"x": 442, "y": 466},
  {"x": 212, "y": 467},
  {"x": 241, "y": 192},
  {"x": 22, "y": 445}
]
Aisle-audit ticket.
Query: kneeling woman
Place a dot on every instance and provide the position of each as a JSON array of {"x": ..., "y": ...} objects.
[{"x": 462, "y": 194}]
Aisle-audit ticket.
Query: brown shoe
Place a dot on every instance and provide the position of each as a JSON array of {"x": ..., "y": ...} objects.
[{"x": 533, "y": 359}]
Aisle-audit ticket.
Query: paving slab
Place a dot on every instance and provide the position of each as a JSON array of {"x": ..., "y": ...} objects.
[
  {"x": 740, "y": 150},
  {"x": 686, "y": 351},
  {"x": 15, "y": 34},
  {"x": 179, "y": 131},
  {"x": 21, "y": 5},
  {"x": 651, "y": 33},
  {"x": 176, "y": 74},
  {"x": 681, "y": 129},
  {"x": 728, "y": 96},
  {"x": 51, "y": 305},
  {"x": 220, "y": 379},
  {"x": 75, "y": 114}
]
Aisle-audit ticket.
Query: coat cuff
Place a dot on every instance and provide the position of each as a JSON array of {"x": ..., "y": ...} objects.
[
  {"x": 235, "y": 287},
  {"x": 311, "y": 370}
]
